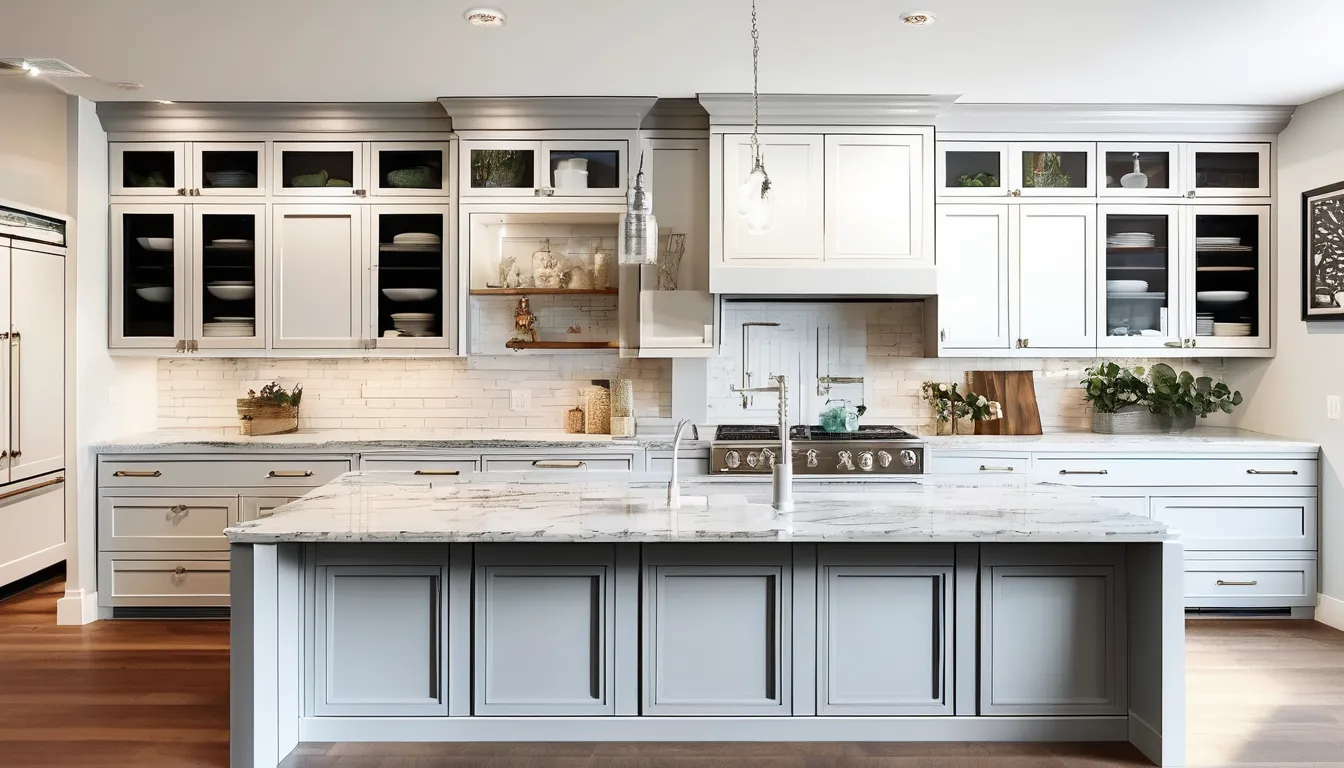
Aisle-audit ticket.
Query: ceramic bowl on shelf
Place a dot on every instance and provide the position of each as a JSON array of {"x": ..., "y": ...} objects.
[
  {"x": 229, "y": 292},
  {"x": 155, "y": 243},
  {"x": 158, "y": 294},
  {"x": 410, "y": 294},
  {"x": 1126, "y": 286},
  {"x": 1222, "y": 297}
]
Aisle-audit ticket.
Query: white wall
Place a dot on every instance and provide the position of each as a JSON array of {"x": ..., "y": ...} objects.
[
  {"x": 33, "y": 144},
  {"x": 1286, "y": 395}
]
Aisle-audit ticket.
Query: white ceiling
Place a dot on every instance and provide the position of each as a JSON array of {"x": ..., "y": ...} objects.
[{"x": 1031, "y": 51}]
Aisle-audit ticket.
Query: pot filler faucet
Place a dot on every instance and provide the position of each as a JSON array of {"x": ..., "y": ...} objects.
[{"x": 783, "y": 465}]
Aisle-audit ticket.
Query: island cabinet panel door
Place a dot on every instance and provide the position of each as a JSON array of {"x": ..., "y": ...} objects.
[
  {"x": 716, "y": 637},
  {"x": 1052, "y": 640},
  {"x": 884, "y": 640},
  {"x": 544, "y": 631},
  {"x": 379, "y": 640}
]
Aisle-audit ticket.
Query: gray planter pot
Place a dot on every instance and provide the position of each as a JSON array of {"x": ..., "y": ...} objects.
[
  {"x": 1175, "y": 424},
  {"x": 1129, "y": 420}
]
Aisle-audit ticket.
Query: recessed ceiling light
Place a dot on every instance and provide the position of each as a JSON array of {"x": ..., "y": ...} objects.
[
  {"x": 485, "y": 17},
  {"x": 33, "y": 71},
  {"x": 128, "y": 86},
  {"x": 25, "y": 66},
  {"x": 918, "y": 18},
  {"x": 163, "y": 101}
]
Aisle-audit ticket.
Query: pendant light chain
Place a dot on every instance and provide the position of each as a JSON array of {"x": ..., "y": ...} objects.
[{"x": 757, "y": 164}]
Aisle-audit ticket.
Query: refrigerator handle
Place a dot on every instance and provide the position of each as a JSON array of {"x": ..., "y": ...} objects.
[{"x": 16, "y": 342}]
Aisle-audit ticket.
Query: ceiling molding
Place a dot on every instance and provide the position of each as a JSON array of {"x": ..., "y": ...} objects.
[
  {"x": 677, "y": 114},
  {"x": 541, "y": 113},
  {"x": 822, "y": 110},
  {"x": 1114, "y": 118},
  {"x": 120, "y": 117}
]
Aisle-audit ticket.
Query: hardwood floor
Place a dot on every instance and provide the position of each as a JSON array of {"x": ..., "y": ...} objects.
[{"x": 155, "y": 694}]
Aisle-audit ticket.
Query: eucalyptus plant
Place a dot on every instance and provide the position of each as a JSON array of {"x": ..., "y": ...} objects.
[
  {"x": 1110, "y": 387},
  {"x": 1179, "y": 395}
]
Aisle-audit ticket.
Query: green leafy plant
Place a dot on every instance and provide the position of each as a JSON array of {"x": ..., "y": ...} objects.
[
  {"x": 1044, "y": 169},
  {"x": 1110, "y": 387},
  {"x": 1181, "y": 394},
  {"x": 946, "y": 400},
  {"x": 978, "y": 180},
  {"x": 279, "y": 395}
]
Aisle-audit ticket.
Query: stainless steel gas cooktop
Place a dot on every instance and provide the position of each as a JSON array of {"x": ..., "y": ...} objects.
[{"x": 873, "y": 449}]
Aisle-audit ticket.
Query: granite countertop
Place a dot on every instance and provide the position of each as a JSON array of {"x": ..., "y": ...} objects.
[
  {"x": 398, "y": 506},
  {"x": 354, "y": 441},
  {"x": 1202, "y": 439}
]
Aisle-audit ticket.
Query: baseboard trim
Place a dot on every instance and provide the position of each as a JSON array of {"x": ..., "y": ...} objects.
[
  {"x": 1145, "y": 738},
  {"x": 77, "y": 607},
  {"x": 1330, "y": 611}
]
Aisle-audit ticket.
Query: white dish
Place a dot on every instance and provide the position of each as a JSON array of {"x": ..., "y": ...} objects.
[
  {"x": 231, "y": 292},
  {"x": 229, "y": 282},
  {"x": 410, "y": 294},
  {"x": 248, "y": 320},
  {"x": 1124, "y": 286},
  {"x": 1132, "y": 295},
  {"x": 158, "y": 294},
  {"x": 1222, "y": 297},
  {"x": 416, "y": 237},
  {"x": 155, "y": 243}
]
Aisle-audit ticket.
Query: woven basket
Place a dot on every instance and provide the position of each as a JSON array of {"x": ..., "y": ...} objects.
[{"x": 260, "y": 417}]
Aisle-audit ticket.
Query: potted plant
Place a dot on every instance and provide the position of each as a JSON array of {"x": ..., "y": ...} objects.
[
  {"x": 1177, "y": 399},
  {"x": 273, "y": 412},
  {"x": 951, "y": 407},
  {"x": 1118, "y": 397}
]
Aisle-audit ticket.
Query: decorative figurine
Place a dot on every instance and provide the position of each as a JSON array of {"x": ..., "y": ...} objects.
[
  {"x": 524, "y": 322},
  {"x": 546, "y": 266}
]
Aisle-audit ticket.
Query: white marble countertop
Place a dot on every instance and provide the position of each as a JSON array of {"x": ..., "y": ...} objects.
[
  {"x": 398, "y": 506},
  {"x": 227, "y": 440},
  {"x": 1202, "y": 440}
]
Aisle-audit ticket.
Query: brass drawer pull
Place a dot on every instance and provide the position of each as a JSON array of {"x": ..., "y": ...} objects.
[
  {"x": 31, "y": 488},
  {"x": 1084, "y": 472},
  {"x": 1271, "y": 471},
  {"x": 290, "y": 473},
  {"x": 1222, "y": 583},
  {"x": 984, "y": 468},
  {"x": 179, "y": 571},
  {"x": 137, "y": 473},
  {"x": 557, "y": 464},
  {"x": 438, "y": 471}
]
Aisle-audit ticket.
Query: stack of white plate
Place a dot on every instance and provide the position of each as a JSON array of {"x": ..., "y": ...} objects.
[
  {"x": 1131, "y": 240},
  {"x": 1126, "y": 286},
  {"x": 1204, "y": 324},
  {"x": 413, "y": 323},
  {"x": 231, "y": 326},
  {"x": 232, "y": 179},
  {"x": 417, "y": 238},
  {"x": 233, "y": 244},
  {"x": 1231, "y": 329},
  {"x": 1225, "y": 244}
]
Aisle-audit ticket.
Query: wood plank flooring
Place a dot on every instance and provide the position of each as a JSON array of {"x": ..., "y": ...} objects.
[{"x": 155, "y": 694}]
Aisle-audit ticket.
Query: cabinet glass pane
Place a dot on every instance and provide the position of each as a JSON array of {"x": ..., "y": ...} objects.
[
  {"x": 229, "y": 274},
  {"x": 317, "y": 169},
  {"x": 973, "y": 169},
  {"x": 1152, "y": 171},
  {"x": 1227, "y": 260},
  {"x": 1227, "y": 170},
  {"x": 410, "y": 169},
  {"x": 1059, "y": 170},
  {"x": 410, "y": 275},
  {"x": 230, "y": 169},
  {"x": 502, "y": 168},
  {"x": 585, "y": 170},
  {"x": 1139, "y": 281},
  {"x": 148, "y": 275},
  {"x": 149, "y": 169}
]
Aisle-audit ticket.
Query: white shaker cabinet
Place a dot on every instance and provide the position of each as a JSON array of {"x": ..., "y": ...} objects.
[
  {"x": 1056, "y": 268},
  {"x": 875, "y": 200},
  {"x": 974, "y": 263},
  {"x": 148, "y": 274},
  {"x": 795, "y": 164},
  {"x": 317, "y": 266},
  {"x": 1226, "y": 170}
]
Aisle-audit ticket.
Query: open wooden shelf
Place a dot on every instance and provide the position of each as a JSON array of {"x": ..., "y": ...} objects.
[
  {"x": 516, "y": 344},
  {"x": 543, "y": 291}
]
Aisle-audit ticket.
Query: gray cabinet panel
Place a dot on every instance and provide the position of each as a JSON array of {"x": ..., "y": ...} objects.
[
  {"x": 379, "y": 640},
  {"x": 1052, "y": 640},
  {"x": 884, "y": 640}
]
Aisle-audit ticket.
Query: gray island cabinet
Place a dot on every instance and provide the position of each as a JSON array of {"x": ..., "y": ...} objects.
[{"x": 390, "y": 606}]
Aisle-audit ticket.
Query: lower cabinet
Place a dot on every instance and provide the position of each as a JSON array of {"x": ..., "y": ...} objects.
[
  {"x": 562, "y": 596},
  {"x": 1241, "y": 523},
  {"x": 1052, "y": 632},
  {"x": 165, "y": 523},
  {"x": 717, "y": 637},
  {"x": 155, "y": 579}
]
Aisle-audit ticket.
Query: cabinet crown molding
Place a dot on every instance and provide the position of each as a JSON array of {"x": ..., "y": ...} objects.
[
  {"x": 1115, "y": 118},
  {"x": 823, "y": 110},
  {"x": 136, "y": 117},
  {"x": 541, "y": 113}
]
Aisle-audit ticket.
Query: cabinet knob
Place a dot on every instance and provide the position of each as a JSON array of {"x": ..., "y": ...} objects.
[
  {"x": 182, "y": 191},
  {"x": 180, "y": 571},
  {"x": 1191, "y": 193},
  {"x": 942, "y": 335},
  {"x": 1180, "y": 343}
]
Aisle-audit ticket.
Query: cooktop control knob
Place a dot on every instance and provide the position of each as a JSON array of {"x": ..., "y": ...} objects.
[
  {"x": 883, "y": 459},
  {"x": 753, "y": 460},
  {"x": 733, "y": 459},
  {"x": 908, "y": 458},
  {"x": 846, "y": 460},
  {"x": 866, "y": 461},
  {"x": 768, "y": 457},
  {"x": 811, "y": 457}
]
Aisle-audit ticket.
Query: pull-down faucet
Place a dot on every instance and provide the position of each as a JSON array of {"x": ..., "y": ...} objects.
[
  {"x": 674, "y": 483},
  {"x": 783, "y": 465}
]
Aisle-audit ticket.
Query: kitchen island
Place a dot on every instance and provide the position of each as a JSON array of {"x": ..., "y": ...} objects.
[{"x": 388, "y": 607}]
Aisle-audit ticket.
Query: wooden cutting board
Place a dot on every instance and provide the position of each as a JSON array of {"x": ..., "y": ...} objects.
[{"x": 1016, "y": 391}]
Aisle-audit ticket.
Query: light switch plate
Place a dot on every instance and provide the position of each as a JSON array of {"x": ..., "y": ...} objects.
[
  {"x": 520, "y": 399},
  {"x": 1332, "y": 407}
]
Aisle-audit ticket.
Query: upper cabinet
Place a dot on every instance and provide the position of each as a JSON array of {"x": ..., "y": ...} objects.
[
  {"x": 796, "y": 166},
  {"x": 148, "y": 276},
  {"x": 220, "y": 169},
  {"x": 409, "y": 169},
  {"x": 1227, "y": 170},
  {"x": 1139, "y": 170},
  {"x": 319, "y": 169},
  {"x": 875, "y": 200},
  {"x": 564, "y": 169},
  {"x": 1052, "y": 169},
  {"x": 157, "y": 169},
  {"x": 972, "y": 169},
  {"x": 1227, "y": 268},
  {"x": 227, "y": 258},
  {"x": 411, "y": 293}
]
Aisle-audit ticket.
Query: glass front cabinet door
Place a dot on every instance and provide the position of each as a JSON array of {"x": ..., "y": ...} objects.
[
  {"x": 149, "y": 296},
  {"x": 410, "y": 169},
  {"x": 1227, "y": 170},
  {"x": 972, "y": 169},
  {"x": 1140, "y": 277},
  {"x": 318, "y": 169},
  {"x": 228, "y": 170},
  {"x": 148, "y": 169},
  {"x": 547, "y": 169},
  {"x": 500, "y": 168},
  {"x": 1052, "y": 169},
  {"x": 228, "y": 248},
  {"x": 1229, "y": 277},
  {"x": 412, "y": 286},
  {"x": 1139, "y": 170}
]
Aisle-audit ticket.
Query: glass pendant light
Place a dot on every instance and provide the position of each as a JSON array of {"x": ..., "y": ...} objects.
[
  {"x": 755, "y": 203},
  {"x": 638, "y": 229}
]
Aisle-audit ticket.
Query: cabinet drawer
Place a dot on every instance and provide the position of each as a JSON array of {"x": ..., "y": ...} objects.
[
  {"x": 985, "y": 464},
  {"x": 207, "y": 473},
  {"x": 127, "y": 581},
  {"x": 1240, "y": 523},
  {"x": 1250, "y": 583},
  {"x": 559, "y": 465},
  {"x": 165, "y": 523},
  {"x": 1156, "y": 472},
  {"x": 428, "y": 468}
]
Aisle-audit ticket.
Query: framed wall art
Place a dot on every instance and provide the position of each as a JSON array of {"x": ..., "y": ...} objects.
[{"x": 1323, "y": 253}]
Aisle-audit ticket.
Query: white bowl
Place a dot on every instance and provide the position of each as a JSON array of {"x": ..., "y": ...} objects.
[
  {"x": 1222, "y": 297},
  {"x": 231, "y": 292},
  {"x": 410, "y": 294},
  {"x": 158, "y": 294},
  {"x": 155, "y": 243}
]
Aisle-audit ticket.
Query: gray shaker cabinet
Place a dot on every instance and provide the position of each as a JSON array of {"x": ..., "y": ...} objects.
[{"x": 544, "y": 630}]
